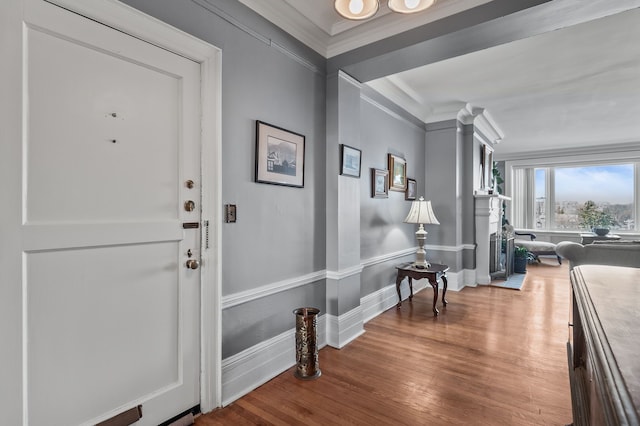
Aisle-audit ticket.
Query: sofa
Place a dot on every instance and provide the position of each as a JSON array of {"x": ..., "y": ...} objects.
[
  {"x": 527, "y": 240},
  {"x": 621, "y": 253},
  {"x": 536, "y": 248}
]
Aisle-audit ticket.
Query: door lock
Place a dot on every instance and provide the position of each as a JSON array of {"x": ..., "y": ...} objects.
[
  {"x": 189, "y": 205},
  {"x": 192, "y": 264}
]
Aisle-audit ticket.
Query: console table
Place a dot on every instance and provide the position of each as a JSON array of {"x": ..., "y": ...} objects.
[
  {"x": 432, "y": 274},
  {"x": 604, "y": 367}
]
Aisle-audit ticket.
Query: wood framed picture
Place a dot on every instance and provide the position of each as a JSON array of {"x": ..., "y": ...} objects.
[
  {"x": 410, "y": 193},
  {"x": 486, "y": 166},
  {"x": 379, "y": 183},
  {"x": 279, "y": 156},
  {"x": 398, "y": 173},
  {"x": 350, "y": 161}
]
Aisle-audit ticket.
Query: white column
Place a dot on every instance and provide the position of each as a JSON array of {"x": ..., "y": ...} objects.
[
  {"x": 488, "y": 221},
  {"x": 344, "y": 268}
]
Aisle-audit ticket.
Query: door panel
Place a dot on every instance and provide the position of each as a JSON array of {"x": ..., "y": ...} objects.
[
  {"x": 112, "y": 312},
  {"x": 120, "y": 332},
  {"x": 96, "y": 105}
]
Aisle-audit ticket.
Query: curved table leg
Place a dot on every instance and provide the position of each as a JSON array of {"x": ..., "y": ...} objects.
[
  {"x": 444, "y": 289},
  {"x": 410, "y": 288},
  {"x": 434, "y": 284},
  {"x": 398, "y": 282}
]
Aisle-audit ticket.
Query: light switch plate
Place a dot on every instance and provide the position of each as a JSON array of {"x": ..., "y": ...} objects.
[{"x": 230, "y": 213}]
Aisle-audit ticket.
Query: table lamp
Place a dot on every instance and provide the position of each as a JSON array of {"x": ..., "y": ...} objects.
[{"x": 421, "y": 213}]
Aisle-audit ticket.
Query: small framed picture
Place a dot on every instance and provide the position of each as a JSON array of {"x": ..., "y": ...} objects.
[
  {"x": 486, "y": 166},
  {"x": 379, "y": 183},
  {"x": 350, "y": 161},
  {"x": 279, "y": 156},
  {"x": 410, "y": 193},
  {"x": 398, "y": 173}
]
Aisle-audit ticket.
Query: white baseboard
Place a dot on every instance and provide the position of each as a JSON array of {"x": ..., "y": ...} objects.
[
  {"x": 376, "y": 303},
  {"x": 251, "y": 368},
  {"x": 344, "y": 329},
  {"x": 456, "y": 281},
  {"x": 470, "y": 278}
]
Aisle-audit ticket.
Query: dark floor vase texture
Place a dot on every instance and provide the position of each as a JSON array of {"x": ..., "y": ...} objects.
[{"x": 307, "y": 365}]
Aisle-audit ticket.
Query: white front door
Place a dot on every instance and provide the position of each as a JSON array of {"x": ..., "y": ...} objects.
[{"x": 112, "y": 138}]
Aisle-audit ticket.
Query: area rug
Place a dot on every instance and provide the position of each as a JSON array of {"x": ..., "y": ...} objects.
[{"x": 514, "y": 282}]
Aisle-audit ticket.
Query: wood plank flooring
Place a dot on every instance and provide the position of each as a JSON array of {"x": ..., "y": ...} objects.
[{"x": 494, "y": 356}]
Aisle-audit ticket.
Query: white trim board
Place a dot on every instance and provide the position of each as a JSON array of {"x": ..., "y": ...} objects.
[
  {"x": 251, "y": 368},
  {"x": 343, "y": 329},
  {"x": 266, "y": 290},
  {"x": 270, "y": 289}
]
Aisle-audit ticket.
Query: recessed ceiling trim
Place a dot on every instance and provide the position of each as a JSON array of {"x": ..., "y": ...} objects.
[
  {"x": 391, "y": 24},
  {"x": 292, "y": 22},
  {"x": 483, "y": 121},
  {"x": 352, "y": 34},
  {"x": 391, "y": 91}
]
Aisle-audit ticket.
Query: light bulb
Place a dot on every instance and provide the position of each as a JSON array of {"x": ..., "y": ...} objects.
[
  {"x": 356, "y": 6},
  {"x": 411, "y": 4}
]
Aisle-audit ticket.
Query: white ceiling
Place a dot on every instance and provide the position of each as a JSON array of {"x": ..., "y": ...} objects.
[
  {"x": 574, "y": 87},
  {"x": 318, "y": 25}
]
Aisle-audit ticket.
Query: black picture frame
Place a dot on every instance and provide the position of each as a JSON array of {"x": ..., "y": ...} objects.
[
  {"x": 279, "y": 156},
  {"x": 350, "y": 161}
]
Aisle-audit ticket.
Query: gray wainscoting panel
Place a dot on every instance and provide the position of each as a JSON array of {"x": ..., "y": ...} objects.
[{"x": 253, "y": 322}]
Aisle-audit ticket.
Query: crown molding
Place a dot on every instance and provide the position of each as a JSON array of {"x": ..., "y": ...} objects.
[
  {"x": 482, "y": 121},
  {"x": 606, "y": 152},
  {"x": 344, "y": 35},
  {"x": 293, "y": 22},
  {"x": 390, "y": 24},
  {"x": 400, "y": 96}
]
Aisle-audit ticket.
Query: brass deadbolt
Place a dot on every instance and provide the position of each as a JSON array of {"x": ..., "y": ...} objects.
[{"x": 189, "y": 205}]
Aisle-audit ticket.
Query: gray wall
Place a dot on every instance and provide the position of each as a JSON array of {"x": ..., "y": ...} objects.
[
  {"x": 280, "y": 232},
  {"x": 284, "y": 233},
  {"x": 387, "y": 129}
]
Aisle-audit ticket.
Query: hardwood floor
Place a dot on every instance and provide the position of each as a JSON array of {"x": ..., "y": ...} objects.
[{"x": 494, "y": 356}]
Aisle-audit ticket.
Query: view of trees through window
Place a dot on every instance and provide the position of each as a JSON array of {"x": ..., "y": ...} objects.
[{"x": 584, "y": 197}]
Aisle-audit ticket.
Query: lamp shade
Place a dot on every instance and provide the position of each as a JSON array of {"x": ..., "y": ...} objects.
[
  {"x": 421, "y": 212},
  {"x": 356, "y": 9},
  {"x": 410, "y": 6}
]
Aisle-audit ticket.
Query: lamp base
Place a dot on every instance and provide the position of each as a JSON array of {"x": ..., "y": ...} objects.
[{"x": 421, "y": 264}]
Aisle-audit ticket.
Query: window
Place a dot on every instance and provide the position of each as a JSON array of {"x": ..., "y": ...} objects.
[
  {"x": 540, "y": 207},
  {"x": 567, "y": 197}
]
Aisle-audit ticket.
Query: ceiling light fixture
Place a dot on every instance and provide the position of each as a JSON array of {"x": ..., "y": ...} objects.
[
  {"x": 410, "y": 6},
  {"x": 358, "y": 10}
]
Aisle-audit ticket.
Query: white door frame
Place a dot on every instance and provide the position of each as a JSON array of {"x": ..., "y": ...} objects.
[{"x": 133, "y": 22}]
